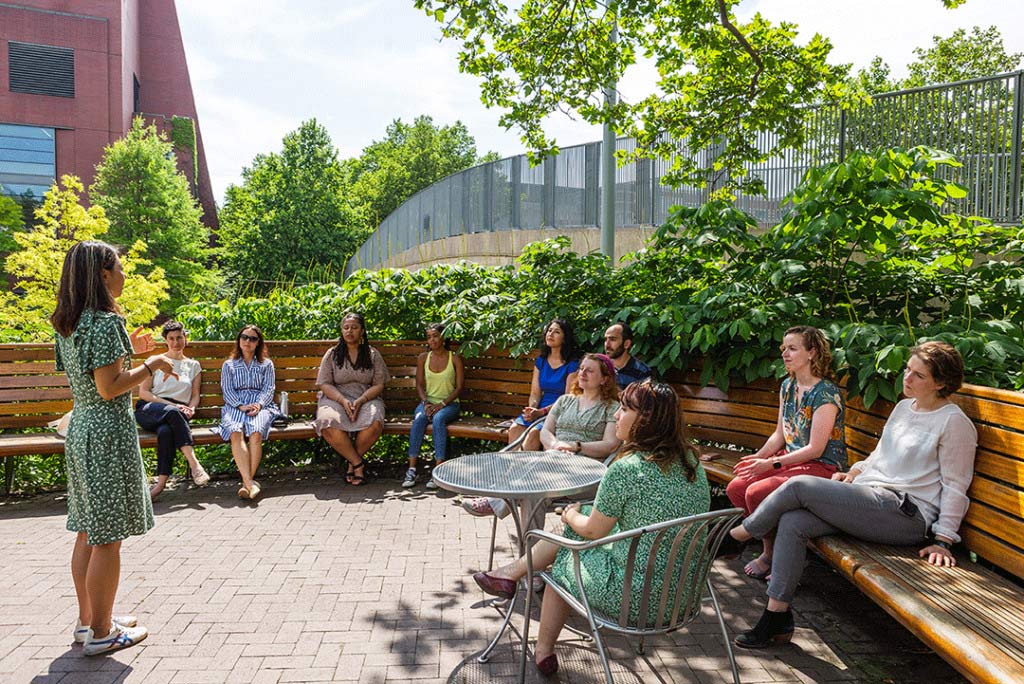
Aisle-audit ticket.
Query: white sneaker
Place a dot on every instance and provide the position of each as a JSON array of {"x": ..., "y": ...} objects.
[
  {"x": 431, "y": 484},
  {"x": 119, "y": 637},
  {"x": 410, "y": 478},
  {"x": 82, "y": 631}
]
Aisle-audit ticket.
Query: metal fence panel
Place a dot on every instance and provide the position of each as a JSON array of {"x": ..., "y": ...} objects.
[{"x": 979, "y": 121}]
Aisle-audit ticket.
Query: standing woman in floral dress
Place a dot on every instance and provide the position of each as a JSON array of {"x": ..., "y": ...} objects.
[{"x": 108, "y": 499}]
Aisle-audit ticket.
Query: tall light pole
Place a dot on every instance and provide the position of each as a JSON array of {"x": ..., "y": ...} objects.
[{"x": 608, "y": 168}]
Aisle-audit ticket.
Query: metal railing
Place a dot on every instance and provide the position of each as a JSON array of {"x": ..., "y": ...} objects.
[{"x": 979, "y": 121}]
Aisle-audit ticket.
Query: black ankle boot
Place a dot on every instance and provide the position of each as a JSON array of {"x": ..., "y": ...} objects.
[{"x": 772, "y": 628}]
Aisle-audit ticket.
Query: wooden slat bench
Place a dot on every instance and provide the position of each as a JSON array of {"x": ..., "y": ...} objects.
[
  {"x": 33, "y": 393},
  {"x": 970, "y": 615}
]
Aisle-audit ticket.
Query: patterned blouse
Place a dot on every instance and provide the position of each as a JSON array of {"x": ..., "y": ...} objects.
[{"x": 796, "y": 419}]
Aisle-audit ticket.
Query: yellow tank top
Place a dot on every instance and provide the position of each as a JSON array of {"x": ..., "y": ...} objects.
[{"x": 439, "y": 385}]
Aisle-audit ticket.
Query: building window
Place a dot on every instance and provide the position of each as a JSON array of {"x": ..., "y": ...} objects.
[
  {"x": 27, "y": 160},
  {"x": 135, "y": 94},
  {"x": 41, "y": 69}
]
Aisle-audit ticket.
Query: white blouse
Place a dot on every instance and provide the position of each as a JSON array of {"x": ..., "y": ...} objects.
[
  {"x": 930, "y": 456},
  {"x": 177, "y": 385}
]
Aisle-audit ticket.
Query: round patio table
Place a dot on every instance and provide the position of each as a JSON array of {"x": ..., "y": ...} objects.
[{"x": 525, "y": 480}]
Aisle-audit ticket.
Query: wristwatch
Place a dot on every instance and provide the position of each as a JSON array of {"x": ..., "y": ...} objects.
[
  {"x": 579, "y": 447},
  {"x": 943, "y": 544},
  {"x": 777, "y": 464}
]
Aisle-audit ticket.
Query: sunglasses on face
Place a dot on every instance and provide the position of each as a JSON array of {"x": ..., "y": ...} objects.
[{"x": 249, "y": 338}]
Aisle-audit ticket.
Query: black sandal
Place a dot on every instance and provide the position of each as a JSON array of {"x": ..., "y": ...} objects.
[{"x": 357, "y": 480}]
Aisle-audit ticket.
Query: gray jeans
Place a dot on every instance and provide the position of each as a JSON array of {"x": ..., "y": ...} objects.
[{"x": 807, "y": 507}]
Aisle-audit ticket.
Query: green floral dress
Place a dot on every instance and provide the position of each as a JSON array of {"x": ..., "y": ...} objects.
[
  {"x": 636, "y": 493},
  {"x": 107, "y": 494}
]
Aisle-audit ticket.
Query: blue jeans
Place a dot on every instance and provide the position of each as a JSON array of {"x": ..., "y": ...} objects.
[{"x": 440, "y": 424}]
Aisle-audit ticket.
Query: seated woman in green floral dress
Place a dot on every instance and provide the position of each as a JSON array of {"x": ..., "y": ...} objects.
[{"x": 656, "y": 478}]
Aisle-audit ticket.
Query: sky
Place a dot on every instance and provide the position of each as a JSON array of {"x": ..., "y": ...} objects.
[{"x": 260, "y": 68}]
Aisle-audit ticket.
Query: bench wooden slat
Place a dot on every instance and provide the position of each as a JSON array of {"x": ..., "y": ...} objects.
[
  {"x": 966, "y": 650},
  {"x": 21, "y": 381},
  {"x": 999, "y": 467}
]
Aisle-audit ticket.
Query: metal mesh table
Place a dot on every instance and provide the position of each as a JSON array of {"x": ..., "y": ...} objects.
[
  {"x": 520, "y": 474},
  {"x": 525, "y": 480}
]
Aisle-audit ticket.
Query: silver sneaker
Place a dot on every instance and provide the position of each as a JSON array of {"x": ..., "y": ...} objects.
[
  {"x": 410, "y": 478},
  {"x": 119, "y": 638}
]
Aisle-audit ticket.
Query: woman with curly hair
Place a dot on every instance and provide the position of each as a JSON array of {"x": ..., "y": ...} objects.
[
  {"x": 655, "y": 478},
  {"x": 581, "y": 422},
  {"x": 808, "y": 438}
]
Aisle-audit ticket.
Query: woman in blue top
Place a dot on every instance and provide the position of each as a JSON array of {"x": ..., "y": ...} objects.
[
  {"x": 554, "y": 372},
  {"x": 247, "y": 381}
]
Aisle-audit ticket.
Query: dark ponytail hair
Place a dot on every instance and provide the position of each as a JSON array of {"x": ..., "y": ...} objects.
[{"x": 81, "y": 284}]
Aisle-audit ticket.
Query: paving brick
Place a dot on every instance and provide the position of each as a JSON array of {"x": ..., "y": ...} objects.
[{"x": 321, "y": 582}]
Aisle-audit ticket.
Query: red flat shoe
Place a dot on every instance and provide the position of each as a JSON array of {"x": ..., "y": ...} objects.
[
  {"x": 496, "y": 586},
  {"x": 549, "y": 665}
]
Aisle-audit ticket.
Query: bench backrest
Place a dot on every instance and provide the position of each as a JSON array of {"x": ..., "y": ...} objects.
[{"x": 32, "y": 392}]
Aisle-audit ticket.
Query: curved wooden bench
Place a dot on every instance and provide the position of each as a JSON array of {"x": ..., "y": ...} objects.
[{"x": 971, "y": 615}]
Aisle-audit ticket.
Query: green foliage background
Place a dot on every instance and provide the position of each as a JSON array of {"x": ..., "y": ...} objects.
[{"x": 868, "y": 251}]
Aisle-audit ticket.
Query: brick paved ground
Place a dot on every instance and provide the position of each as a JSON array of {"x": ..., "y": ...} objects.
[{"x": 323, "y": 582}]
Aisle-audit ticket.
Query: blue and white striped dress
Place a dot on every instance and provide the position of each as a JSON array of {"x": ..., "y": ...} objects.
[{"x": 242, "y": 384}]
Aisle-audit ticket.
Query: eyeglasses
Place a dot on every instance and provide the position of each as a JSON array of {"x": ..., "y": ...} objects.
[{"x": 249, "y": 338}]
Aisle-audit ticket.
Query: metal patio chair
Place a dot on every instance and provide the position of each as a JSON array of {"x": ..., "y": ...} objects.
[{"x": 702, "y": 535}]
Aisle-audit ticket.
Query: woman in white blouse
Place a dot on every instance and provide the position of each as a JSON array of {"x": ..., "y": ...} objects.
[
  {"x": 912, "y": 489},
  {"x": 167, "y": 402}
]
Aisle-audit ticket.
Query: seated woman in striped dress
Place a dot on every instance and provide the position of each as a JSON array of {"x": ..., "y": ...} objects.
[{"x": 247, "y": 381}]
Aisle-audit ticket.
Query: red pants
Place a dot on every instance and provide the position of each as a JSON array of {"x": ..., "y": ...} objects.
[{"x": 748, "y": 494}]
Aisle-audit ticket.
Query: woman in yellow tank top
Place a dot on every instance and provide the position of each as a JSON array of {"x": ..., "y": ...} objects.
[{"x": 439, "y": 379}]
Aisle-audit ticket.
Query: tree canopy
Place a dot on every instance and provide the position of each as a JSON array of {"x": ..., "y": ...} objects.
[
  {"x": 145, "y": 197},
  {"x": 291, "y": 215},
  {"x": 959, "y": 57},
  {"x": 722, "y": 82},
  {"x": 408, "y": 159},
  {"x": 11, "y": 222},
  {"x": 61, "y": 222}
]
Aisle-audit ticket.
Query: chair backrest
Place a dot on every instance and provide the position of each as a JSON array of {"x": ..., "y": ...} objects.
[{"x": 692, "y": 543}]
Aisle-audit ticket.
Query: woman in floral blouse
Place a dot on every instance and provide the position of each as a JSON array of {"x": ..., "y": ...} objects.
[{"x": 808, "y": 439}]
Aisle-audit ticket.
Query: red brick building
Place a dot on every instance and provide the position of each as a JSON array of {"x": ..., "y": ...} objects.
[{"x": 73, "y": 74}]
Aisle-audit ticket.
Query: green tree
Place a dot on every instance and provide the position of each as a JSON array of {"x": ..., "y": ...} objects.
[
  {"x": 11, "y": 222},
  {"x": 291, "y": 217},
  {"x": 62, "y": 221},
  {"x": 960, "y": 57},
  {"x": 147, "y": 198},
  {"x": 721, "y": 82},
  {"x": 876, "y": 78},
  {"x": 408, "y": 159}
]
